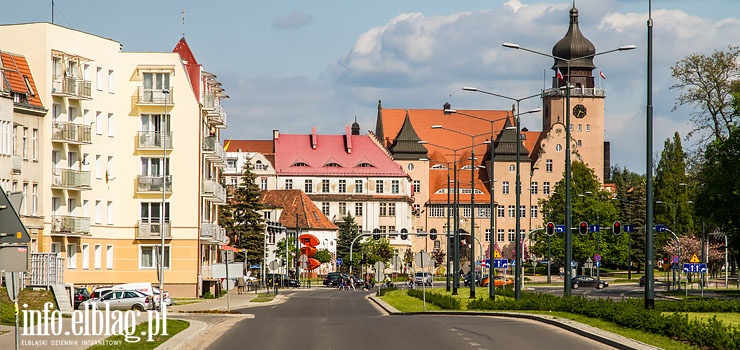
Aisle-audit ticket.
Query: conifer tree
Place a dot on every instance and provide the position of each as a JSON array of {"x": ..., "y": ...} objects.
[{"x": 242, "y": 219}]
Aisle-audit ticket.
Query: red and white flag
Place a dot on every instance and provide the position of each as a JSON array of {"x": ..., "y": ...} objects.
[
  {"x": 559, "y": 75},
  {"x": 601, "y": 74}
]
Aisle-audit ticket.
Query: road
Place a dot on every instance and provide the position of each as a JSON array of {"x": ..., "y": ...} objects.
[{"x": 324, "y": 318}]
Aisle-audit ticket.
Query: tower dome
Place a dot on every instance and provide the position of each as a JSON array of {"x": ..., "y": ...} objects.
[{"x": 573, "y": 45}]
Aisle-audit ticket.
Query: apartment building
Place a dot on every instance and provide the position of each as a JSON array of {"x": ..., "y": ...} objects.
[{"x": 119, "y": 168}]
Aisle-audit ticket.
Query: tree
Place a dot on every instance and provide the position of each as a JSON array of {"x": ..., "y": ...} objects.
[
  {"x": 241, "y": 217},
  {"x": 408, "y": 259},
  {"x": 348, "y": 231},
  {"x": 670, "y": 189},
  {"x": 630, "y": 200},
  {"x": 707, "y": 83},
  {"x": 280, "y": 249},
  {"x": 375, "y": 251},
  {"x": 438, "y": 255}
]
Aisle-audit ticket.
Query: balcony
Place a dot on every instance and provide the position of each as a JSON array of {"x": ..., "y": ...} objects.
[
  {"x": 70, "y": 179},
  {"x": 71, "y": 133},
  {"x": 70, "y": 225},
  {"x": 213, "y": 233},
  {"x": 71, "y": 87},
  {"x": 154, "y": 97},
  {"x": 153, "y": 140},
  {"x": 17, "y": 164},
  {"x": 145, "y": 184},
  {"x": 215, "y": 113},
  {"x": 153, "y": 230},
  {"x": 213, "y": 151},
  {"x": 213, "y": 191}
]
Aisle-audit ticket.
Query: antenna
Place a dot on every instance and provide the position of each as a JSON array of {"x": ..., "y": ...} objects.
[
  {"x": 183, "y": 22},
  {"x": 52, "y": 11}
]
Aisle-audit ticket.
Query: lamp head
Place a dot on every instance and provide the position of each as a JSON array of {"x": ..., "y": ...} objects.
[
  {"x": 469, "y": 88},
  {"x": 436, "y": 126},
  {"x": 511, "y": 45},
  {"x": 450, "y": 111},
  {"x": 422, "y": 142},
  {"x": 626, "y": 47}
]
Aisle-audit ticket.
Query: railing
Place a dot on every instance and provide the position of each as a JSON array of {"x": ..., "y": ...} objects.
[
  {"x": 594, "y": 92},
  {"x": 213, "y": 150},
  {"x": 213, "y": 108},
  {"x": 71, "y": 86},
  {"x": 70, "y": 179},
  {"x": 152, "y": 230},
  {"x": 213, "y": 191},
  {"x": 17, "y": 164},
  {"x": 153, "y": 183},
  {"x": 213, "y": 232},
  {"x": 74, "y": 225},
  {"x": 151, "y": 96},
  {"x": 46, "y": 269},
  {"x": 153, "y": 140},
  {"x": 70, "y": 132}
]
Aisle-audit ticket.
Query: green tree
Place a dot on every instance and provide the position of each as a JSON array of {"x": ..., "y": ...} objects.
[
  {"x": 408, "y": 259},
  {"x": 280, "y": 249},
  {"x": 630, "y": 201},
  {"x": 348, "y": 231},
  {"x": 241, "y": 217},
  {"x": 707, "y": 83},
  {"x": 323, "y": 256},
  {"x": 671, "y": 190},
  {"x": 375, "y": 251}
]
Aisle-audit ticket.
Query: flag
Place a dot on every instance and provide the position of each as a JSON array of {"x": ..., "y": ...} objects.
[
  {"x": 226, "y": 146},
  {"x": 601, "y": 74},
  {"x": 560, "y": 75}
]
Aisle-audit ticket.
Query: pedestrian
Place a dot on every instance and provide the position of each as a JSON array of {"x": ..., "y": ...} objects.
[
  {"x": 351, "y": 282},
  {"x": 240, "y": 283},
  {"x": 341, "y": 283},
  {"x": 562, "y": 271}
]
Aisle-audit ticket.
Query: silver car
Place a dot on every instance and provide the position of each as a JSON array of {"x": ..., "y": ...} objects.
[
  {"x": 119, "y": 300},
  {"x": 424, "y": 278}
]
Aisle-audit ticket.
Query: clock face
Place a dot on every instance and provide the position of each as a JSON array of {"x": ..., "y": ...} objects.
[{"x": 579, "y": 111}]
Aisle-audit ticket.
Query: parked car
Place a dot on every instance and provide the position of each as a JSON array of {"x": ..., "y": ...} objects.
[
  {"x": 424, "y": 278},
  {"x": 282, "y": 280},
  {"x": 359, "y": 282},
  {"x": 99, "y": 291},
  {"x": 587, "y": 281},
  {"x": 467, "y": 279},
  {"x": 332, "y": 279},
  {"x": 81, "y": 294},
  {"x": 120, "y": 300},
  {"x": 498, "y": 281}
]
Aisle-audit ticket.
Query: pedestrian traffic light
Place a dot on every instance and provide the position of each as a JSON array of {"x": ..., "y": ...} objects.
[
  {"x": 583, "y": 228},
  {"x": 550, "y": 229},
  {"x": 376, "y": 234},
  {"x": 617, "y": 228}
]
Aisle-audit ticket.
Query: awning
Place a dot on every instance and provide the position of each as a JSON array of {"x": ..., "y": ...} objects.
[{"x": 228, "y": 247}]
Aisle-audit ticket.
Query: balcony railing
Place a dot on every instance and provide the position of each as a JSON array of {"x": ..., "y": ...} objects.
[
  {"x": 213, "y": 232},
  {"x": 153, "y": 183},
  {"x": 213, "y": 150},
  {"x": 70, "y": 179},
  {"x": 214, "y": 110},
  {"x": 71, "y": 87},
  {"x": 17, "y": 164},
  {"x": 71, "y": 133},
  {"x": 149, "y": 96},
  {"x": 153, "y": 140},
  {"x": 213, "y": 191},
  {"x": 70, "y": 225},
  {"x": 152, "y": 230},
  {"x": 593, "y": 92}
]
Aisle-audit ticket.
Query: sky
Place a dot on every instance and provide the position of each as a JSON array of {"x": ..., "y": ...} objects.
[{"x": 291, "y": 65}]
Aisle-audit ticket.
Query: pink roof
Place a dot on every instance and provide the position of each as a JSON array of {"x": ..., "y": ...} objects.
[{"x": 331, "y": 156}]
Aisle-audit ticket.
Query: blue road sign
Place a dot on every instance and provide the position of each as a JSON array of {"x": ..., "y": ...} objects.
[
  {"x": 500, "y": 263},
  {"x": 560, "y": 228},
  {"x": 598, "y": 263},
  {"x": 594, "y": 228},
  {"x": 694, "y": 267},
  {"x": 487, "y": 263},
  {"x": 659, "y": 228},
  {"x": 674, "y": 259},
  {"x": 629, "y": 228},
  {"x": 573, "y": 264},
  {"x": 597, "y": 257},
  {"x": 339, "y": 261}
]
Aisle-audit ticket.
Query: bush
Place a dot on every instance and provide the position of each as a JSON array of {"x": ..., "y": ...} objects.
[
  {"x": 446, "y": 302},
  {"x": 208, "y": 295}
]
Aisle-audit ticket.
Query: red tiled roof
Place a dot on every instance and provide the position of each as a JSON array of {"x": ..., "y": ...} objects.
[
  {"x": 259, "y": 146},
  {"x": 296, "y": 205},
  {"x": 191, "y": 65},
  {"x": 330, "y": 156},
  {"x": 16, "y": 68}
]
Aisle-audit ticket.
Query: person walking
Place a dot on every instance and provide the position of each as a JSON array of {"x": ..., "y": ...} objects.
[
  {"x": 562, "y": 271},
  {"x": 240, "y": 283},
  {"x": 351, "y": 283}
]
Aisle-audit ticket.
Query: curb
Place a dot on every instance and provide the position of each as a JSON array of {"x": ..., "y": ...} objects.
[{"x": 194, "y": 329}]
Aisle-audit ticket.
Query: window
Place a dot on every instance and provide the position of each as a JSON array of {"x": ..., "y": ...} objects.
[
  {"x": 98, "y": 212},
  {"x": 35, "y": 144},
  {"x": 25, "y": 143},
  {"x": 109, "y": 214},
  {"x": 151, "y": 212},
  {"x": 580, "y": 127},
  {"x": 588, "y": 127},
  {"x": 110, "y": 174},
  {"x": 342, "y": 187},
  {"x": 391, "y": 209},
  {"x": 98, "y": 257},
  {"x": 533, "y": 211},
  {"x": 109, "y": 256},
  {"x": 358, "y": 186},
  {"x": 150, "y": 257},
  {"x": 111, "y": 125},
  {"x": 511, "y": 235},
  {"x": 308, "y": 186},
  {"x": 484, "y": 212},
  {"x": 325, "y": 186},
  {"x": 342, "y": 208},
  {"x": 505, "y": 187},
  {"x": 99, "y": 123},
  {"x": 533, "y": 188},
  {"x": 417, "y": 209},
  {"x": 379, "y": 186},
  {"x": 71, "y": 256},
  {"x": 111, "y": 81},
  {"x": 358, "y": 209},
  {"x": 571, "y": 127},
  {"x": 153, "y": 167},
  {"x": 85, "y": 256},
  {"x": 99, "y": 79},
  {"x": 263, "y": 183},
  {"x": 512, "y": 211},
  {"x": 35, "y": 199},
  {"x": 288, "y": 184},
  {"x": 383, "y": 211},
  {"x": 546, "y": 187},
  {"x": 395, "y": 186},
  {"x": 500, "y": 211},
  {"x": 271, "y": 237},
  {"x": 437, "y": 211},
  {"x": 325, "y": 208},
  {"x": 512, "y": 168},
  {"x": 231, "y": 163},
  {"x": 466, "y": 211},
  {"x": 488, "y": 235},
  {"x": 558, "y": 148},
  {"x": 24, "y": 204},
  {"x": 500, "y": 235},
  {"x": 522, "y": 211},
  {"x": 417, "y": 186},
  {"x": 548, "y": 165},
  {"x": 579, "y": 143},
  {"x": 235, "y": 180}
]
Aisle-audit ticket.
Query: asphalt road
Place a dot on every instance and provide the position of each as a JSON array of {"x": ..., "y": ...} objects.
[{"x": 325, "y": 318}]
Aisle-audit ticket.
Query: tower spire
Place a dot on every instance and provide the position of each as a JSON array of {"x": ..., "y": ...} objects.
[{"x": 182, "y": 13}]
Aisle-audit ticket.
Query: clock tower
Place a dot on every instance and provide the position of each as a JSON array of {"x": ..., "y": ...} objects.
[{"x": 575, "y": 66}]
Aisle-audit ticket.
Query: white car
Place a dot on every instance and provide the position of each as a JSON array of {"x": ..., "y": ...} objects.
[{"x": 424, "y": 278}]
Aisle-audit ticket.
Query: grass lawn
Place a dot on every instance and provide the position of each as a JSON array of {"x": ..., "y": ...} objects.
[
  {"x": 262, "y": 298},
  {"x": 35, "y": 299},
  {"x": 173, "y": 327}
]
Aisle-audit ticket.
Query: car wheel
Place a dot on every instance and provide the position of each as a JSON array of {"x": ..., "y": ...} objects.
[
  {"x": 599, "y": 286},
  {"x": 137, "y": 307},
  {"x": 575, "y": 285}
]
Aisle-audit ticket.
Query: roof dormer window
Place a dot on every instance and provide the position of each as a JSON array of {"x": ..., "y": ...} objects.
[
  {"x": 365, "y": 165},
  {"x": 333, "y": 165},
  {"x": 300, "y": 164},
  {"x": 28, "y": 85}
]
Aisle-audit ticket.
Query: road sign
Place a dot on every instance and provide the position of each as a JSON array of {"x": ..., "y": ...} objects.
[
  {"x": 500, "y": 263},
  {"x": 274, "y": 265},
  {"x": 702, "y": 268},
  {"x": 629, "y": 228},
  {"x": 303, "y": 258},
  {"x": 396, "y": 262},
  {"x": 496, "y": 254},
  {"x": 597, "y": 257},
  {"x": 12, "y": 230},
  {"x": 694, "y": 259},
  {"x": 379, "y": 266},
  {"x": 422, "y": 259},
  {"x": 659, "y": 228},
  {"x": 487, "y": 263},
  {"x": 572, "y": 264},
  {"x": 339, "y": 261},
  {"x": 594, "y": 228},
  {"x": 559, "y": 228},
  {"x": 674, "y": 259}
]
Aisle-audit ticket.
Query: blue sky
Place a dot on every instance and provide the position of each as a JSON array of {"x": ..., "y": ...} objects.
[{"x": 291, "y": 64}]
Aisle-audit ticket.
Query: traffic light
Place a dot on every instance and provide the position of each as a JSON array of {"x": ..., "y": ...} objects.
[
  {"x": 583, "y": 228},
  {"x": 617, "y": 228},
  {"x": 376, "y": 234},
  {"x": 433, "y": 236},
  {"x": 404, "y": 236},
  {"x": 550, "y": 229}
]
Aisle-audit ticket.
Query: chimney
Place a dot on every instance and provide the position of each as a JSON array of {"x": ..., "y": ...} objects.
[
  {"x": 446, "y": 106},
  {"x": 275, "y": 136},
  {"x": 313, "y": 138},
  {"x": 349, "y": 140}
]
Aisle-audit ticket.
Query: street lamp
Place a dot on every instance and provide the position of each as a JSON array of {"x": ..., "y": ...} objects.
[
  {"x": 568, "y": 218},
  {"x": 164, "y": 139}
]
